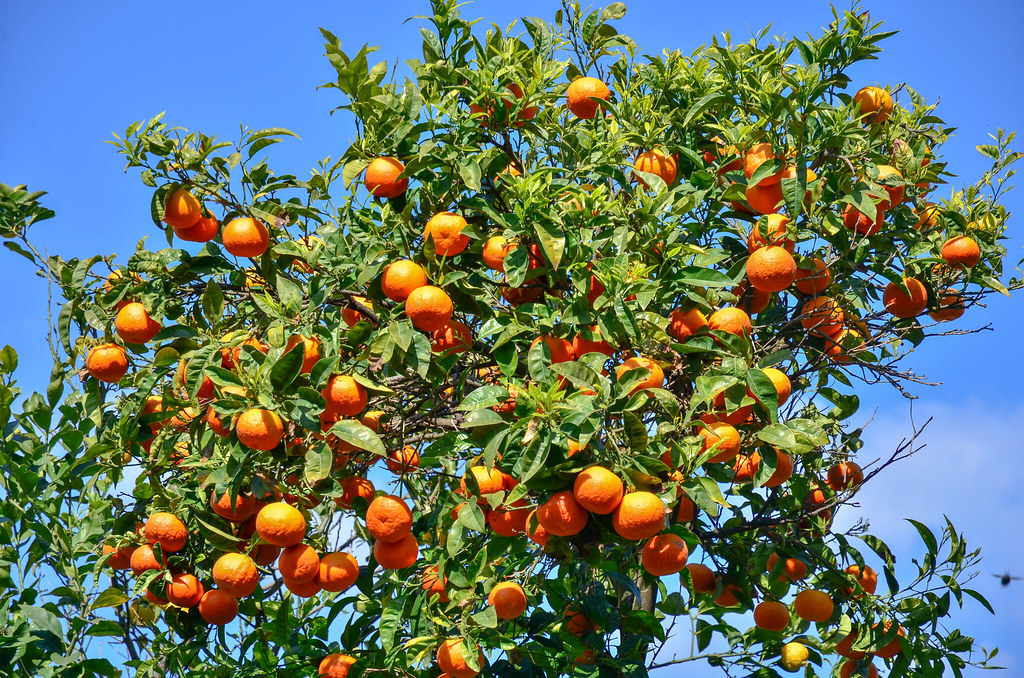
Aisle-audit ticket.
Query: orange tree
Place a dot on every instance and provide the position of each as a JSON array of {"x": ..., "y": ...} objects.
[{"x": 557, "y": 360}]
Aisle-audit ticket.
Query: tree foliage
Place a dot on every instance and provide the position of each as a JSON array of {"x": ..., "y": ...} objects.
[{"x": 599, "y": 250}]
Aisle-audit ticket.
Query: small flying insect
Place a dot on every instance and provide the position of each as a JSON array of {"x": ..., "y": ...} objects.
[{"x": 1005, "y": 579}]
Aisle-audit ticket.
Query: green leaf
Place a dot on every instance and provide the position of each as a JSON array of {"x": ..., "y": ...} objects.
[
  {"x": 469, "y": 170},
  {"x": 926, "y": 536},
  {"x": 472, "y": 516},
  {"x": 613, "y": 12},
  {"x": 287, "y": 367},
  {"x": 487, "y": 618},
  {"x": 319, "y": 462},
  {"x": 703, "y": 104},
  {"x": 636, "y": 432},
  {"x": 112, "y": 597},
  {"x": 551, "y": 240},
  {"x": 363, "y": 437},
  {"x": 485, "y": 396}
]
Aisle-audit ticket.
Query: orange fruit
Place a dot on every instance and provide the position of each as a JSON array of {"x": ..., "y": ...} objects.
[
  {"x": 527, "y": 112},
  {"x": 508, "y": 599},
  {"x": 727, "y": 598},
  {"x": 400, "y": 278},
  {"x": 450, "y": 659},
  {"x": 927, "y": 217},
  {"x": 403, "y": 460},
  {"x": 844, "y": 648},
  {"x": 217, "y": 607},
  {"x": 480, "y": 480},
  {"x": 121, "y": 558},
  {"x": 382, "y": 180},
  {"x": 562, "y": 515},
  {"x": 687, "y": 510},
  {"x": 775, "y": 228},
  {"x": 765, "y": 198},
  {"x": 749, "y": 299},
  {"x": 509, "y": 520},
  {"x": 351, "y": 316},
  {"x": 259, "y": 429},
  {"x": 303, "y": 589},
  {"x": 848, "y": 667},
  {"x": 388, "y": 518},
  {"x": 576, "y": 622},
  {"x": 496, "y": 248},
  {"x": 310, "y": 350},
  {"x": 235, "y": 574},
  {"x": 868, "y": 579},
  {"x": 581, "y": 345},
  {"x": 216, "y": 423},
  {"x": 732, "y": 320},
  {"x": 844, "y": 475},
  {"x": 166, "y": 529},
  {"x": 813, "y": 281},
  {"x": 445, "y": 229},
  {"x": 435, "y": 585},
  {"x": 246, "y": 237},
  {"x": 203, "y": 230},
  {"x": 792, "y": 568},
  {"x": 771, "y": 269},
  {"x": 535, "y": 531},
  {"x": 895, "y": 193},
  {"x": 905, "y": 304},
  {"x": 396, "y": 555},
  {"x": 184, "y": 590},
  {"x": 783, "y": 387},
  {"x": 757, "y": 155},
  {"x": 338, "y": 571},
  {"x": 581, "y": 94},
  {"x": 280, "y": 524},
  {"x": 335, "y": 665},
  {"x": 237, "y": 511},
  {"x": 560, "y": 349},
  {"x": 639, "y": 515},
  {"x": 684, "y": 324},
  {"x": 657, "y": 162},
  {"x": 771, "y": 615},
  {"x": 704, "y": 580},
  {"x": 107, "y": 363},
  {"x": 429, "y": 308},
  {"x": 893, "y": 647},
  {"x": 598, "y": 490},
  {"x": 723, "y": 437},
  {"x": 821, "y": 316},
  {"x": 181, "y": 209},
  {"x": 813, "y": 606},
  {"x": 951, "y": 306},
  {"x": 353, "y": 487},
  {"x": 961, "y": 250},
  {"x": 855, "y": 220},
  {"x": 299, "y": 563},
  {"x": 134, "y": 325},
  {"x": 345, "y": 396},
  {"x": 451, "y": 338},
  {"x": 143, "y": 559},
  {"x": 874, "y": 103},
  {"x": 664, "y": 554},
  {"x": 655, "y": 375}
]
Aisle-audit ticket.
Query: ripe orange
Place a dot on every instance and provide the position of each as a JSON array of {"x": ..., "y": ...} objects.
[
  {"x": 452, "y": 338},
  {"x": 107, "y": 363},
  {"x": 445, "y": 229},
  {"x": 397, "y": 555},
  {"x": 771, "y": 615},
  {"x": 657, "y": 162},
  {"x": 868, "y": 579},
  {"x": 535, "y": 531},
  {"x": 203, "y": 230},
  {"x": 246, "y": 237},
  {"x": 345, "y": 396},
  {"x": 732, "y": 320},
  {"x": 403, "y": 460},
  {"x": 639, "y": 515},
  {"x": 562, "y": 515},
  {"x": 134, "y": 325},
  {"x": 508, "y": 599},
  {"x": 310, "y": 350},
  {"x": 400, "y": 278},
  {"x": 527, "y": 112},
  {"x": 951, "y": 306},
  {"x": 757, "y": 155},
  {"x": 813, "y": 281},
  {"x": 509, "y": 520},
  {"x": 217, "y": 607},
  {"x": 893, "y": 647},
  {"x": 765, "y": 198},
  {"x": 299, "y": 563},
  {"x": 259, "y": 429},
  {"x": 905, "y": 304},
  {"x": 848, "y": 667},
  {"x": 184, "y": 590},
  {"x": 821, "y": 316},
  {"x": 181, "y": 209},
  {"x": 727, "y": 598},
  {"x": 280, "y": 524},
  {"x": 581, "y": 94},
  {"x": 856, "y": 220},
  {"x": 388, "y": 518},
  {"x": 581, "y": 345},
  {"x": 746, "y": 468},
  {"x": 792, "y": 569},
  {"x": 749, "y": 299},
  {"x": 338, "y": 571},
  {"x": 353, "y": 487},
  {"x": 895, "y": 193},
  {"x": 237, "y": 511},
  {"x": 598, "y": 490},
  {"x": 480, "y": 480},
  {"x": 429, "y": 308},
  {"x": 352, "y": 316},
  {"x": 814, "y": 606},
  {"x": 236, "y": 574},
  {"x": 775, "y": 229},
  {"x": 771, "y": 269},
  {"x": 143, "y": 559},
  {"x": 684, "y": 324},
  {"x": 450, "y": 659},
  {"x": 303, "y": 589},
  {"x": 844, "y": 648},
  {"x": 783, "y": 387},
  {"x": 382, "y": 180},
  {"x": 928, "y": 217},
  {"x": 687, "y": 510},
  {"x": 496, "y": 248},
  {"x": 961, "y": 250},
  {"x": 335, "y": 665},
  {"x": 121, "y": 558},
  {"x": 435, "y": 585},
  {"x": 875, "y": 104},
  {"x": 723, "y": 437},
  {"x": 166, "y": 529},
  {"x": 561, "y": 350},
  {"x": 664, "y": 554},
  {"x": 704, "y": 580},
  {"x": 655, "y": 378},
  {"x": 844, "y": 475}
]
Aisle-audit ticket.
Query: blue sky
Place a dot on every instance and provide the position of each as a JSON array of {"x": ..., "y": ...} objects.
[{"x": 78, "y": 72}]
